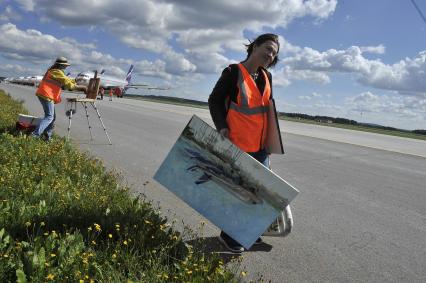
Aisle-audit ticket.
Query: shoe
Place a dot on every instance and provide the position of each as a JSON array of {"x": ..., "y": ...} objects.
[
  {"x": 230, "y": 243},
  {"x": 259, "y": 241}
]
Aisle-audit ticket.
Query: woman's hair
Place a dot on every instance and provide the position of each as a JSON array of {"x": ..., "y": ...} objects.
[
  {"x": 58, "y": 66},
  {"x": 259, "y": 41}
]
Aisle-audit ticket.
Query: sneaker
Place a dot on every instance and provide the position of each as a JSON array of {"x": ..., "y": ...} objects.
[
  {"x": 230, "y": 243},
  {"x": 259, "y": 241}
]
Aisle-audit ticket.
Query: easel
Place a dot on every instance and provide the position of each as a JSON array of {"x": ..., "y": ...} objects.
[{"x": 92, "y": 92}]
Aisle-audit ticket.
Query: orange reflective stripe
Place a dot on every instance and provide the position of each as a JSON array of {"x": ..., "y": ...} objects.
[
  {"x": 50, "y": 81},
  {"x": 243, "y": 91},
  {"x": 249, "y": 111}
]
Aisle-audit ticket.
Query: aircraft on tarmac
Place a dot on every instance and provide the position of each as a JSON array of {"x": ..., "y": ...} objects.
[
  {"x": 30, "y": 80},
  {"x": 110, "y": 82}
]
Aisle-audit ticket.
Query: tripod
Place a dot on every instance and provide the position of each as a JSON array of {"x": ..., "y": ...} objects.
[{"x": 92, "y": 92}]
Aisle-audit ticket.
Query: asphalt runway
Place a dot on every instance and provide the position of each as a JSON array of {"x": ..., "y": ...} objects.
[{"x": 360, "y": 215}]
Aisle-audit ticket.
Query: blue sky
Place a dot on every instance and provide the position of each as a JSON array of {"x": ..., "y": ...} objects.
[{"x": 362, "y": 60}]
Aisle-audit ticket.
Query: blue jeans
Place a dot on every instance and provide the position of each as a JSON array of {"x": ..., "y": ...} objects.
[
  {"x": 47, "y": 123},
  {"x": 262, "y": 156}
]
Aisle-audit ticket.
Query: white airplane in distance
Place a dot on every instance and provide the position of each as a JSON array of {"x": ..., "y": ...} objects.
[
  {"x": 110, "y": 82},
  {"x": 31, "y": 80}
]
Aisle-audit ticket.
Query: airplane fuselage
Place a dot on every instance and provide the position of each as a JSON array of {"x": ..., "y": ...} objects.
[{"x": 106, "y": 82}]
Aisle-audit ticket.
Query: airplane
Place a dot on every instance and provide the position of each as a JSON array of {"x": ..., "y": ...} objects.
[
  {"x": 30, "y": 80},
  {"x": 110, "y": 82},
  {"x": 226, "y": 180}
]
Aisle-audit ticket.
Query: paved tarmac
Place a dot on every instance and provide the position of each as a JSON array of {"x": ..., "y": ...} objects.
[{"x": 360, "y": 215}]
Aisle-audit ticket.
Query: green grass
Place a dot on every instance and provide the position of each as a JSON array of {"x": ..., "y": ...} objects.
[
  {"x": 65, "y": 218},
  {"x": 306, "y": 121},
  {"x": 9, "y": 110}
]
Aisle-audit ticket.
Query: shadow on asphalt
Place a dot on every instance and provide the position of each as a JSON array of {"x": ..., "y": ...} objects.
[{"x": 212, "y": 245}]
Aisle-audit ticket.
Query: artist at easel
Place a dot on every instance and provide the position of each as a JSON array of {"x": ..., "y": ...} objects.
[{"x": 49, "y": 94}]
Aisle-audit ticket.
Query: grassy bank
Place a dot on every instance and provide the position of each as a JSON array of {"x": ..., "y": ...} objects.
[{"x": 64, "y": 218}]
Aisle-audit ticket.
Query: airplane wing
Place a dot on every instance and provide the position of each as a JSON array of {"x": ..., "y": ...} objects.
[{"x": 145, "y": 86}]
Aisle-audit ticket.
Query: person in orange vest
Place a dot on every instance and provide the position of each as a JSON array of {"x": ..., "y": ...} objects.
[
  {"x": 101, "y": 92},
  {"x": 239, "y": 105},
  {"x": 49, "y": 93}
]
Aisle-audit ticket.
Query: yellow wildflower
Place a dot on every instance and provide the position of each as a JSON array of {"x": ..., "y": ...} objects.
[
  {"x": 50, "y": 277},
  {"x": 97, "y": 227}
]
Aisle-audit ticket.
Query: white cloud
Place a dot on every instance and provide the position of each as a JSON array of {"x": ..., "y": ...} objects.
[
  {"x": 152, "y": 25},
  {"x": 45, "y": 48},
  {"x": 14, "y": 69},
  {"x": 285, "y": 75},
  {"x": 304, "y": 97},
  {"x": 27, "y": 5},
  {"x": 406, "y": 76},
  {"x": 395, "y": 107},
  {"x": 379, "y": 49},
  {"x": 33, "y": 46},
  {"x": 9, "y": 14}
]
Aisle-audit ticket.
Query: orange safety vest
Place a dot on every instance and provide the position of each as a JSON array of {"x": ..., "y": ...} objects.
[
  {"x": 248, "y": 118},
  {"x": 50, "y": 88}
]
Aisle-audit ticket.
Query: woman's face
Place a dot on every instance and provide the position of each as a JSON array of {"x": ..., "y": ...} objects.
[{"x": 265, "y": 53}]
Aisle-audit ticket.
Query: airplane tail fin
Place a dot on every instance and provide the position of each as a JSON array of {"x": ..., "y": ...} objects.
[
  {"x": 128, "y": 77},
  {"x": 129, "y": 74}
]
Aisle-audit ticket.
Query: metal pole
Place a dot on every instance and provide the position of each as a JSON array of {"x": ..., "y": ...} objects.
[
  {"x": 87, "y": 116},
  {"x": 69, "y": 122},
  {"x": 103, "y": 126}
]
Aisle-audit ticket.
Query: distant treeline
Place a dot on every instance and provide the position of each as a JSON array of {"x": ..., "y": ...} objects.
[
  {"x": 323, "y": 119},
  {"x": 317, "y": 118},
  {"x": 327, "y": 119}
]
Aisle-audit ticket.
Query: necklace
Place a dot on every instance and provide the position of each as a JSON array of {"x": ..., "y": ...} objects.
[{"x": 254, "y": 75}]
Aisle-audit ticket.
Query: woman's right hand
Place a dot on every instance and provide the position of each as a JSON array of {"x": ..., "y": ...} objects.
[{"x": 224, "y": 132}]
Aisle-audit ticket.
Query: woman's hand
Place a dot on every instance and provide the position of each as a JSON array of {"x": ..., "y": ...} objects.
[{"x": 224, "y": 132}]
